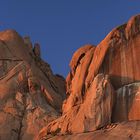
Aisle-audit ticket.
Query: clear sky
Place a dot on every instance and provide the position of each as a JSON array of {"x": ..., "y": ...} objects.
[{"x": 62, "y": 26}]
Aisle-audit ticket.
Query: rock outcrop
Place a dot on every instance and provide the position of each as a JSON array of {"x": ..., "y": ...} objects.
[
  {"x": 128, "y": 97},
  {"x": 118, "y": 55},
  {"x": 120, "y": 131},
  {"x": 94, "y": 113},
  {"x": 100, "y": 98},
  {"x": 30, "y": 94},
  {"x": 102, "y": 88}
]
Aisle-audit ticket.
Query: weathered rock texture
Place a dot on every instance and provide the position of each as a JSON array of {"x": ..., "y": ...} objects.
[
  {"x": 129, "y": 98},
  {"x": 94, "y": 113},
  {"x": 30, "y": 95},
  {"x": 102, "y": 87},
  {"x": 121, "y": 131}
]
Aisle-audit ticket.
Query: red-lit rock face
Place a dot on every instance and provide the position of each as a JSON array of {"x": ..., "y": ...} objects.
[
  {"x": 118, "y": 55},
  {"x": 76, "y": 79},
  {"x": 30, "y": 95},
  {"x": 94, "y": 113},
  {"x": 91, "y": 105},
  {"x": 121, "y": 131},
  {"x": 121, "y": 60},
  {"x": 102, "y": 87}
]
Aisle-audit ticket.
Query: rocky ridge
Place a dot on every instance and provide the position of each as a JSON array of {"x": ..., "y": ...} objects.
[
  {"x": 30, "y": 94},
  {"x": 102, "y": 89},
  {"x": 100, "y": 98}
]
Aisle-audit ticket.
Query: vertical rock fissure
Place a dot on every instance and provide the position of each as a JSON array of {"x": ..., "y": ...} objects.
[
  {"x": 21, "y": 122},
  {"x": 80, "y": 58},
  {"x": 86, "y": 74},
  {"x": 23, "y": 88},
  {"x": 21, "y": 126}
]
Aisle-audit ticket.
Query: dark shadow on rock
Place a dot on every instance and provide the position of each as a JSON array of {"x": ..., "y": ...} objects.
[{"x": 124, "y": 99}]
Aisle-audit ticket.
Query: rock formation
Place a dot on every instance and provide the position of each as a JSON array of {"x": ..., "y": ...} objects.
[
  {"x": 103, "y": 88},
  {"x": 30, "y": 94},
  {"x": 100, "y": 98},
  {"x": 118, "y": 131},
  {"x": 94, "y": 113}
]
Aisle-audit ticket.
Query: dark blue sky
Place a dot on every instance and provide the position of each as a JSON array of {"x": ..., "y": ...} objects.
[{"x": 62, "y": 26}]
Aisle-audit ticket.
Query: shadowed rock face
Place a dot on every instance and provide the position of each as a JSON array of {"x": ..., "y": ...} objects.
[
  {"x": 30, "y": 94},
  {"x": 102, "y": 87},
  {"x": 128, "y": 97}
]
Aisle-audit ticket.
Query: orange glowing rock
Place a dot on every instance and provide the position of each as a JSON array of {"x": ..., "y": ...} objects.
[
  {"x": 24, "y": 107},
  {"x": 92, "y": 105}
]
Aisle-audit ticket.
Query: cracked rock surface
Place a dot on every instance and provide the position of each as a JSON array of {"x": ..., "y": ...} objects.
[
  {"x": 99, "y": 100},
  {"x": 120, "y": 131},
  {"x": 103, "y": 88},
  {"x": 30, "y": 94}
]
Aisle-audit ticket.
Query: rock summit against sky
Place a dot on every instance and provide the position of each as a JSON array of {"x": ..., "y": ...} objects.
[{"x": 99, "y": 99}]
